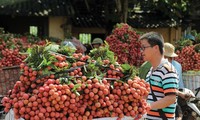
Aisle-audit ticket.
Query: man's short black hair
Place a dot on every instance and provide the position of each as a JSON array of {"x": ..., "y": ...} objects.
[{"x": 154, "y": 38}]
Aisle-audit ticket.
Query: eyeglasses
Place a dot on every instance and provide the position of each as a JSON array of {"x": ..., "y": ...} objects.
[{"x": 144, "y": 47}]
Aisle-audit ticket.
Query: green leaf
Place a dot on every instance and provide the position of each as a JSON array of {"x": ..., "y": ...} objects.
[
  {"x": 85, "y": 69},
  {"x": 47, "y": 72},
  {"x": 76, "y": 86},
  {"x": 126, "y": 67},
  {"x": 44, "y": 59},
  {"x": 111, "y": 56},
  {"x": 120, "y": 81},
  {"x": 99, "y": 61},
  {"x": 12, "y": 46},
  {"x": 41, "y": 64}
]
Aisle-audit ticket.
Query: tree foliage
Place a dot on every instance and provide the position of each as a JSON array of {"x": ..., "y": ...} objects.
[{"x": 173, "y": 10}]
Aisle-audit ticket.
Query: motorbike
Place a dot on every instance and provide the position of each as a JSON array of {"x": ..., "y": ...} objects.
[{"x": 190, "y": 106}]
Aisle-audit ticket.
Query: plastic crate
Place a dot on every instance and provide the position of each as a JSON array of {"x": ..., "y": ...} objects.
[
  {"x": 8, "y": 77},
  {"x": 191, "y": 80}
]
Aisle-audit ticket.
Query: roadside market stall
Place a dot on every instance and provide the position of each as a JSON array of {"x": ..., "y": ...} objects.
[{"x": 56, "y": 83}]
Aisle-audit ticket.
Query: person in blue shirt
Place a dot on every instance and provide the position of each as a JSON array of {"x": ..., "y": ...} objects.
[{"x": 169, "y": 53}]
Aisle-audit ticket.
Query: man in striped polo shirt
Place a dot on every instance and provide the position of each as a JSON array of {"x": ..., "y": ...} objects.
[{"x": 162, "y": 77}]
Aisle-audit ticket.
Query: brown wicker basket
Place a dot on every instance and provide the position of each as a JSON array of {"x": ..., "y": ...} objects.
[{"x": 8, "y": 77}]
